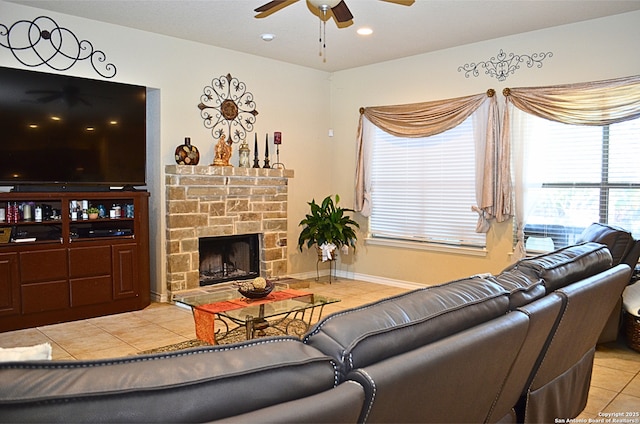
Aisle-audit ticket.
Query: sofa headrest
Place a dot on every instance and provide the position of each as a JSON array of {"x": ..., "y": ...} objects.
[
  {"x": 523, "y": 288},
  {"x": 361, "y": 336},
  {"x": 619, "y": 241},
  {"x": 567, "y": 265},
  {"x": 197, "y": 385}
]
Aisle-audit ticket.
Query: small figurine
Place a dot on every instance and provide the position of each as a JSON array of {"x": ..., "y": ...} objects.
[{"x": 223, "y": 151}]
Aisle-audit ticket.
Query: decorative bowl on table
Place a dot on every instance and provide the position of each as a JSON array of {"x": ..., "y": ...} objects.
[{"x": 256, "y": 288}]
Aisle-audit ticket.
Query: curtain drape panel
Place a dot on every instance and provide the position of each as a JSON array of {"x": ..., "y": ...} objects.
[
  {"x": 592, "y": 103},
  {"x": 431, "y": 118}
]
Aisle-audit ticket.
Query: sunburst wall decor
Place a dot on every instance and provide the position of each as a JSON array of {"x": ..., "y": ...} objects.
[{"x": 228, "y": 108}]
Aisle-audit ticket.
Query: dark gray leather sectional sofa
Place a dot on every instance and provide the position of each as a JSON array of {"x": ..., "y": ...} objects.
[{"x": 516, "y": 347}]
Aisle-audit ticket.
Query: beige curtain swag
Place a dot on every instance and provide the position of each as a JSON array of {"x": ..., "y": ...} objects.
[
  {"x": 591, "y": 103},
  {"x": 431, "y": 118}
]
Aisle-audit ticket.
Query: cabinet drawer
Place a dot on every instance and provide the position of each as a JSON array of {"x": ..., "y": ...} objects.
[
  {"x": 89, "y": 261},
  {"x": 43, "y": 265},
  {"x": 91, "y": 291},
  {"x": 43, "y": 297}
]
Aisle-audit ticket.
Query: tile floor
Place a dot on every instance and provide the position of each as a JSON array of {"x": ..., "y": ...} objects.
[{"x": 615, "y": 386}]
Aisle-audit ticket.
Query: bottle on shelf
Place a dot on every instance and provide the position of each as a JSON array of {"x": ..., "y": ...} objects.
[
  {"x": 73, "y": 210},
  {"x": 38, "y": 213},
  {"x": 13, "y": 213},
  {"x": 26, "y": 212},
  {"x": 85, "y": 208}
]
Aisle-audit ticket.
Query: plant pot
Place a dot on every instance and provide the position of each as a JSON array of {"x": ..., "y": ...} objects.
[
  {"x": 93, "y": 215},
  {"x": 334, "y": 255}
]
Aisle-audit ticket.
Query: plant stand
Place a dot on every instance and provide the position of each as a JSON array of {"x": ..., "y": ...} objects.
[{"x": 334, "y": 255}]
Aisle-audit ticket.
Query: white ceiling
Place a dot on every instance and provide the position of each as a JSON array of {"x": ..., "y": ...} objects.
[{"x": 399, "y": 31}]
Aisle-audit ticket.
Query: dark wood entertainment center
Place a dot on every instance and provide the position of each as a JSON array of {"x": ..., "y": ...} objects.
[{"x": 58, "y": 269}]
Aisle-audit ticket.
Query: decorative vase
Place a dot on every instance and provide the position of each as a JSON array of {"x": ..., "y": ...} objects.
[{"x": 186, "y": 154}]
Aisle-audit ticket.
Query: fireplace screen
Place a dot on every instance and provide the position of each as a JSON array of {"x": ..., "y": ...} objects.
[{"x": 228, "y": 258}]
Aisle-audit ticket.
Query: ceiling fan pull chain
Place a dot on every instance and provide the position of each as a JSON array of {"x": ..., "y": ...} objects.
[
  {"x": 320, "y": 37},
  {"x": 324, "y": 40}
]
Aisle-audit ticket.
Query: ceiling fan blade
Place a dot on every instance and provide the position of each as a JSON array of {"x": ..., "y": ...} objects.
[
  {"x": 342, "y": 12},
  {"x": 401, "y": 2},
  {"x": 268, "y": 6}
]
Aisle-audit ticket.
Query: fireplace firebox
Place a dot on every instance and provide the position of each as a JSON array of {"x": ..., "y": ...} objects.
[{"x": 229, "y": 258}]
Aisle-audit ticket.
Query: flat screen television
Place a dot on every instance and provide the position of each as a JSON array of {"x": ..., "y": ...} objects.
[{"x": 70, "y": 133}]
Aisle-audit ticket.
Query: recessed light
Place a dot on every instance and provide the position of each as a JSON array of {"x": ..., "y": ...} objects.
[
  {"x": 364, "y": 31},
  {"x": 267, "y": 37}
]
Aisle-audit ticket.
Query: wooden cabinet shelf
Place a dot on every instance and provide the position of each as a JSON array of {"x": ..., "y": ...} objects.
[{"x": 61, "y": 269}]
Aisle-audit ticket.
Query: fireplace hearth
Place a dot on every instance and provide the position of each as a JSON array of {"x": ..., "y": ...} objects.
[{"x": 229, "y": 258}]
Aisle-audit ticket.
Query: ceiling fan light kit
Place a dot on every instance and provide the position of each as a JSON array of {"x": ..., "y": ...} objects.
[{"x": 324, "y": 4}]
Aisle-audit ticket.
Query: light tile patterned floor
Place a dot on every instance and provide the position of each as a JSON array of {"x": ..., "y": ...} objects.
[{"x": 615, "y": 385}]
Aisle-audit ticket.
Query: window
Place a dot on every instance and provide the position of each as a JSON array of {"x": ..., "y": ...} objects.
[
  {"x": 422, "y": 189},
  {"x": 583, "y": 174}
]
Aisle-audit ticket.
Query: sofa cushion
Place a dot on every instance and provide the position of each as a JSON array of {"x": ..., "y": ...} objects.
[
  {"x": 566, "y": 265},
  {"x": 523, "y": 288},
  {"x": 195, "y": 385},
  {"x": 361, "y": 336}
]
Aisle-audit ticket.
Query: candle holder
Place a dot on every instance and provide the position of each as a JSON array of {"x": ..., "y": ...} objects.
[
  {"x": 277, "y": 140},
  {"x": 243, "y": 155},
  {"x": 256, "y": 162},
  {"x": 266, "y": 151}
]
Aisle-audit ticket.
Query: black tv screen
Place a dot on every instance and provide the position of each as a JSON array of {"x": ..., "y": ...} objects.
[{"x": 59, "y": 130}]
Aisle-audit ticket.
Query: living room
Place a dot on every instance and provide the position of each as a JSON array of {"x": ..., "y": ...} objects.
[
  {"x": 305, "y": 103},
  {"x": 177, "y": 70}
]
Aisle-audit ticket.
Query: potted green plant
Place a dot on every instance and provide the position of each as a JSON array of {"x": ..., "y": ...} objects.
[
  {"x": 328, "y": 227},
  {"x": 93, "y": 212}
]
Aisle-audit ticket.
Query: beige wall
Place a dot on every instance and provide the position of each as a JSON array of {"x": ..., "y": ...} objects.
[{"x": 304, "y": 104}]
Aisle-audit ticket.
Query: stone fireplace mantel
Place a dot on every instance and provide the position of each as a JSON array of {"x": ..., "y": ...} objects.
[{"x": 210, "y": 201}]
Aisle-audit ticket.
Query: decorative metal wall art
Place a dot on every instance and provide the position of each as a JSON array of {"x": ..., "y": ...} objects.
[
  {"x": 228, "y": 108},
  {"x": 43, "y": 42},
  {"x": 504, "y": 64}
]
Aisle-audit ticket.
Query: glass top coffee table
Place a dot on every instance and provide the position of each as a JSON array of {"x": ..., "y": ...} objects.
[{"x": 288, "y": 311}]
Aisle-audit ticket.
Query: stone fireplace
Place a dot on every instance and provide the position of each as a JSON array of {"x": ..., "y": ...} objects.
[{"x": 205, "y": 202}]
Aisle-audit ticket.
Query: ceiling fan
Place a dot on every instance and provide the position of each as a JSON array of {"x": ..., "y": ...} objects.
[
  {"x": 324, "y": 8},
  {"x": 338, "y": 8}
]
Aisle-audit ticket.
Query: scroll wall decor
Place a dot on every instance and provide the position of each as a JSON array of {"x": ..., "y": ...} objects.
[
  {"x": 43, "y": 42},
  {"x": 227, "y": 103},
  {"x": 504, "y": 64}
]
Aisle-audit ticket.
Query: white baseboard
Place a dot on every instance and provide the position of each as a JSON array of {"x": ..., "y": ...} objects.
[
  {"x": 159, "y": 297},
  {"x": 362, "y": 277}
]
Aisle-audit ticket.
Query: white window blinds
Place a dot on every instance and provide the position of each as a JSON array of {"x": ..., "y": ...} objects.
[
  {"x": 422, "y": 189},
  {"x": 578, "y": 175}
]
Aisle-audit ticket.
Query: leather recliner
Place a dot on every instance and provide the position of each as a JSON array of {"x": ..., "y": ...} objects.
[{"x": 624, "y": 250}]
